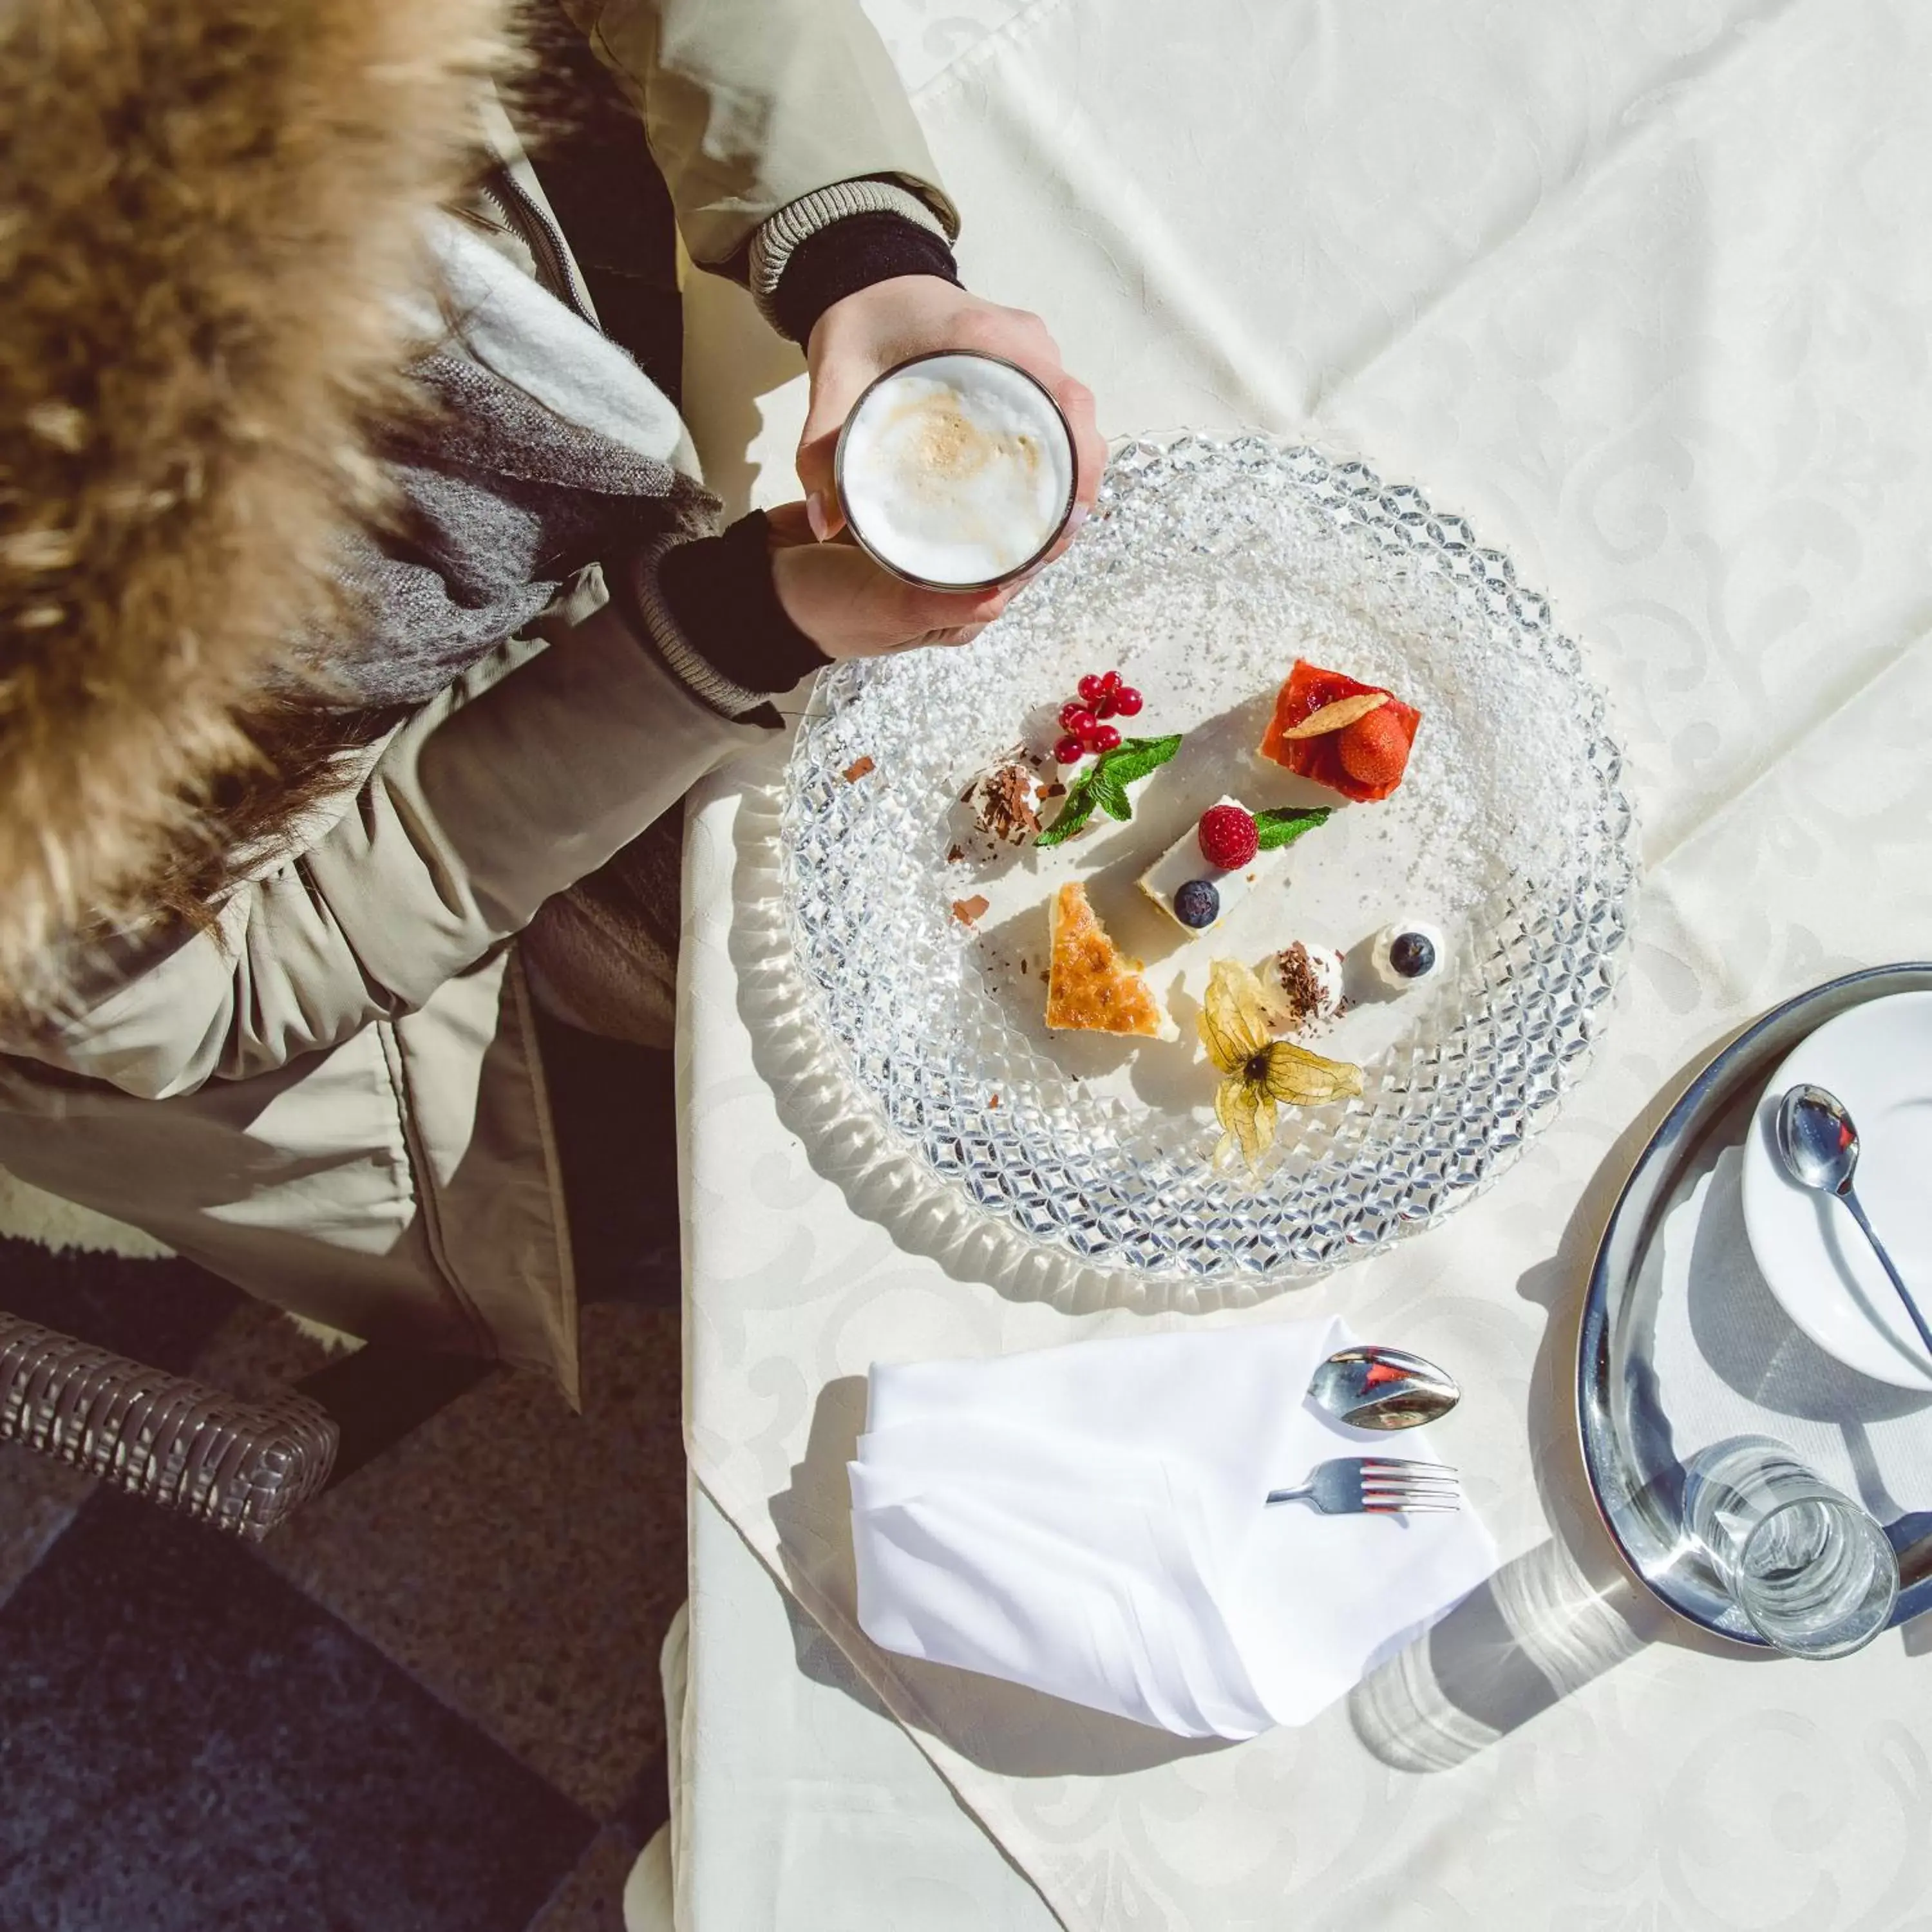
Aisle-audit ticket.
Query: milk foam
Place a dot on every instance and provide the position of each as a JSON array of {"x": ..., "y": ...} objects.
[{"x": 956, "y": 469}]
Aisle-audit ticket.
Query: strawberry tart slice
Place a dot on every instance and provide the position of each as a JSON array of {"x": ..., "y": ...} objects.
[{"x": 1354, "y": 738}]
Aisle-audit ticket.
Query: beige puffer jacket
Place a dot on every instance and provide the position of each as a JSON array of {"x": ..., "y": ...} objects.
[{"x": 334, "y": 1098}]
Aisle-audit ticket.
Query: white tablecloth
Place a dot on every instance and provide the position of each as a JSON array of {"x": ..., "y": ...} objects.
[{"x": 1640, "y": 286}]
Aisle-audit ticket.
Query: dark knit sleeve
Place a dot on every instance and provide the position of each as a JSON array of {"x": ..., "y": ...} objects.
[
  {"x": 844, "y": 237},
  {"x": 850, "y": 255},
  {"x": 710, "y": 610}
]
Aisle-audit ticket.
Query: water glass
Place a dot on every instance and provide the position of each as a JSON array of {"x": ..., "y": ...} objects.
[{"x": 1812, "y": 1571}]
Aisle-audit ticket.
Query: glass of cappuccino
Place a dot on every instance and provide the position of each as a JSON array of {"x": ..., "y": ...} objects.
[{"x": 955, "y": 471}]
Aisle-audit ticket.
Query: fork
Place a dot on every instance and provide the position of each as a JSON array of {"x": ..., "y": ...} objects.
[{"x": 1374, "y": 1485}]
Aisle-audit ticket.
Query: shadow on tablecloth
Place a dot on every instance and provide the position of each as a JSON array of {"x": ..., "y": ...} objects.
[{"x": 1567, "y": 1611}]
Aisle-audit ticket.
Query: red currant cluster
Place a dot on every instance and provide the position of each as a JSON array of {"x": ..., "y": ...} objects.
[{"x": 1083, "y": 718}]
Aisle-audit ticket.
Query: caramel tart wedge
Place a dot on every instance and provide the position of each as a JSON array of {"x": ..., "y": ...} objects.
[{"x": 1090, "y": 988}]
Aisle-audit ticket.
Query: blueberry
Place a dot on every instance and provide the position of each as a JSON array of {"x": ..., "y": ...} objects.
[
  {"x": 1197, "y": 904},
  {"x": 1412, "y": 955}
]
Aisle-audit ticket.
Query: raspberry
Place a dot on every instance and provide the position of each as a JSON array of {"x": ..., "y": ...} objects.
[
  {"x": 1197, "y": 904},
  {"x": 1228, "y": 837},
  {"x": 1374, "y": 750}
]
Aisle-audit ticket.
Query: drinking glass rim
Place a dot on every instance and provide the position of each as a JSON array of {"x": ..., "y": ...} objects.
[
  {"x": 1073, "y": 471},
  {"x": 1866, "y": 1524}
]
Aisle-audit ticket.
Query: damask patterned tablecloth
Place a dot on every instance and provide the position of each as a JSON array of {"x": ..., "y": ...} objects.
[{"x": 1641, "y": 287}]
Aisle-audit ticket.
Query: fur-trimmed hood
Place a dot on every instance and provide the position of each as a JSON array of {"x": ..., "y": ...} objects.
[{"x": 204, "y": 205}]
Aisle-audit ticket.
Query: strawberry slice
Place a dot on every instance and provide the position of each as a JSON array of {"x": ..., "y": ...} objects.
[{"x": 1308, "y": 689}]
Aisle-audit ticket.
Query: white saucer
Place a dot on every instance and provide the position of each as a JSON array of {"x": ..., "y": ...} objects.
[{"x": 1877, "y": 1059}]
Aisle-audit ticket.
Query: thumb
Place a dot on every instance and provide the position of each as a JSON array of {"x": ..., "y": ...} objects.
[{"x": 815, "y": 476}]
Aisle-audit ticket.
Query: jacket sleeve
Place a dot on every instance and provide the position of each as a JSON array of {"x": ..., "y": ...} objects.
[
  {"x": 528, "y": 773},
  {"x": 750, "y": 105}
]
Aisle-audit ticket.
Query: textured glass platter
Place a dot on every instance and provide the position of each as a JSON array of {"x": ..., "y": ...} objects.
[{"x": 1211, "y": 565}]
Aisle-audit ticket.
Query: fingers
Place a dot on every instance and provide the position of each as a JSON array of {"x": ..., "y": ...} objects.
[
  {"x": 815, "y": 474},
  {"x": 926, "y": 613},
  {"x": 838, "y": 380},
  {"x": 946, "y": 639},
  {"x": 1090, "y": 446},
  {"x": 788, "y": 525}
]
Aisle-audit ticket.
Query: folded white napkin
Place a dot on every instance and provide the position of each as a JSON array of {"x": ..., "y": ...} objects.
[{"x": 1090, "y": 1520}]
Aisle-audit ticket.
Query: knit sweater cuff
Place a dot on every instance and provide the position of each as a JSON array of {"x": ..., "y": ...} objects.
[
  {"x": 708, "y": 609},
  {"x": 829, "y": 244}
]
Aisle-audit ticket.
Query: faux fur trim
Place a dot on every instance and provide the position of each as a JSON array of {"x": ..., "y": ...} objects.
[{"x": 203, "y": 206}]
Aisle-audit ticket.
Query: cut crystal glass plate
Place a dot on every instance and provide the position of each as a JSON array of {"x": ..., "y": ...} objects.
[{"x": 1210, "y": 565}]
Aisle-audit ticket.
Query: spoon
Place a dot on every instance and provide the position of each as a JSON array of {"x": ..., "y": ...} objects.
[
  {"x": 1819, "y": 1148},
  {"x": 1382, "y": 1388}
]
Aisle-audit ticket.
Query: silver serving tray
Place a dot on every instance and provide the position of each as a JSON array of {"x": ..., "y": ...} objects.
[{"x": 1623, "y": 1412}]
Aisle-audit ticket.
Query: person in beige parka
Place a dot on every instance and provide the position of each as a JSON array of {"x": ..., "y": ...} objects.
[{"x": 360, "y": 610}]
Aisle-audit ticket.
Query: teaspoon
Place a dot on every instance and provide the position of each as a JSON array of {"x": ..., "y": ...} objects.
[
  {"x": 1382, "y": 1388},
  {"x": 1819, "y": 1148}
]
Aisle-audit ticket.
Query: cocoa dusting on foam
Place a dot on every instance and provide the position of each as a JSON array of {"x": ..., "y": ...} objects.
[
  {"x": 943, "y": 443},
  {"x": 946, "y": 446},
  {"x": 955, "y": 470}
]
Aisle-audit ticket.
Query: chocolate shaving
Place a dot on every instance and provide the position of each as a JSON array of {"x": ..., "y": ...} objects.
[
  {"x": 993, "y": 1102},
  {"x": 967, "y": 910},
  {"x": 857, "y": 770},
  {"x": 953, "y": 857}
]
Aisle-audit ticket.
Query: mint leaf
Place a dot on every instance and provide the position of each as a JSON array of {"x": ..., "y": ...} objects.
[
  {"x": 1104, "y": 784},
  {"x": 1073, "y": 817},
  {"x": 1133, "y": 758},
  {"x": 1284, "y": 826}
]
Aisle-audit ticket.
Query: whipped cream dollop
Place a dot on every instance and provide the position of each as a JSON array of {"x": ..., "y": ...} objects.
[{"x": 1004, "y": 803}]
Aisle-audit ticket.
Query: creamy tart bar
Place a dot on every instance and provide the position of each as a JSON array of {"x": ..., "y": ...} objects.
[{"x": 1209, "y": 869}]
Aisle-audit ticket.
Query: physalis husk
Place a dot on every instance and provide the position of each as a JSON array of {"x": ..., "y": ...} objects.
[{"x": 1258, "y": 1071}]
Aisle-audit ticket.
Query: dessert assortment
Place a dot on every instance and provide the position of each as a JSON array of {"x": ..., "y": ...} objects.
[
  {"x": 1325, "y": 727},
  {"x": 1211, "y": 565}
]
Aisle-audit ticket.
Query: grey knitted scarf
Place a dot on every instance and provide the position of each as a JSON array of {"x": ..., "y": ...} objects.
[{"x": 501, "y": 502}]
